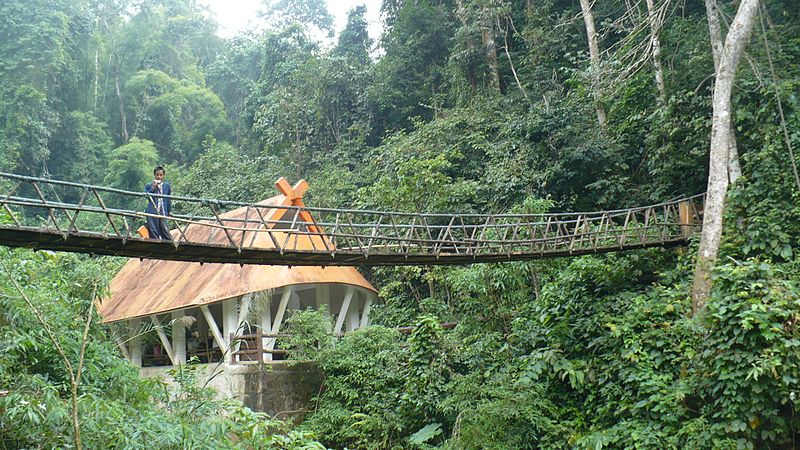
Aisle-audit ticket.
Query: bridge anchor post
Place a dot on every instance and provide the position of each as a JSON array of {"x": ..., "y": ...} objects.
[{"x": 686, "y": 218}]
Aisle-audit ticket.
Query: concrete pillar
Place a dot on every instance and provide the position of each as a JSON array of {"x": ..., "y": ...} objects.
[
  {"x": 202, "y": 329},
  {"x": 212, "y": 327},
  {"x": 371, "y": 297},
  {"x": 230, "y": 318},
  {"x": 266, "y": 322},
  {"x": 178, "y": 338},
  {"x": 323, "y": 292},
  {"x": 348, "y": 297},
  {"x": 352, "y": 313},
  {"x": 294, "y": 301},
  {"x": 159, "y": 327},
  {"x": 276, "y": 323},
  {"x": 135, "y": 342}
]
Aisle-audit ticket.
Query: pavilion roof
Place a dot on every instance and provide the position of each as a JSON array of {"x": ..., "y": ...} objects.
[{"x": 148, "y": 286}]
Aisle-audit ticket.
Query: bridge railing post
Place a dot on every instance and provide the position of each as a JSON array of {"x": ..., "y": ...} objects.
[
  {"x": 260, "y": 345},
  {"x": 686, "y": 218},
  {"x": 232, "y": 349}
]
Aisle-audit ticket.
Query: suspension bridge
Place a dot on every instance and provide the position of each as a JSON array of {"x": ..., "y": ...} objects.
[{"x": 56, "y": 215}]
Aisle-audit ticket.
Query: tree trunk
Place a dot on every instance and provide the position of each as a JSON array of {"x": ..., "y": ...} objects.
[
  {"x": 74, "y": 379},
  {"x": 96, "y": 67},
  {"x": 490, "y": 48},
  {"x": 510, "y": 62},
  {"x": 594, "y": 54},
  {"x": 655, "y": 27},
  {"x": 714, "y": 32},
  {"x": 715, "y": 35},
  {"x": 122, "y": 118},
  {"x": 734, "y": 168},
  {"x": 738, "y": 36},
  {"x": 76, "y": 423},
  {"x": 461, "y": 13}
]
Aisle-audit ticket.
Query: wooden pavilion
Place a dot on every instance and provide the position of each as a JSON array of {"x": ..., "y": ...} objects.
[{"x": 200, "y": 309}]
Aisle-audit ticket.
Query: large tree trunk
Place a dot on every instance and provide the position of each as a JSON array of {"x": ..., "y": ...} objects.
[
  {"x": 594, "y": 55},
  {"x": 655, "y": 27},
  {"x": 715, "y": 35},
  {"x": 490, "y": 47},
  {"x": 734, "y": 168},
  {"x": 461, "y": 13},
  {"x": 122, "y": 118},
  {"x": 96, "y": 67},
  {"x": 508, "y": 55},
  {"x": 738, "y": 36},
  {"x": 714, "y": 32}
]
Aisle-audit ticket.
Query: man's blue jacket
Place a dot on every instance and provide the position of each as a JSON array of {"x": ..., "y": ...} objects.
[{"x": 166, "y": 190}]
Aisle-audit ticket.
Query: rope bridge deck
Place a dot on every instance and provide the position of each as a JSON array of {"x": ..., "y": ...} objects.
[{"x": 56, "y": 215}]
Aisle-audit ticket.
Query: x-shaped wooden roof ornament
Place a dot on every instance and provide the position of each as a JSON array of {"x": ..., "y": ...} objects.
[
  {"x": 294, "y": 194},
  {"x": 294, "y": 197}
]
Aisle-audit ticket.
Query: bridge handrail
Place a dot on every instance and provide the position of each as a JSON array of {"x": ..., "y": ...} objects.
[
  {"x": 24, "y": 201},
  {"x": 320, "y": 236},
  {"x": 233, "y": 203}
]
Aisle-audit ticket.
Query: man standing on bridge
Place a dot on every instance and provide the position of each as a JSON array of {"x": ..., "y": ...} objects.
[{"x": 158, "y": 204}]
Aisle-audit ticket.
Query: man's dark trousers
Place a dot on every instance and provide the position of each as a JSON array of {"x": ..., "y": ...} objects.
[{"x": 158, "y": 228}]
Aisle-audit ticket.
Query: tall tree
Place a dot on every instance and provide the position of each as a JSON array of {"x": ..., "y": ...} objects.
[
  {"x": 308, "y": 13},
  {"x": 715, "y": 35},
  {"x": 26, "y": 125},
  {"x": 354, "y": 41},
  {"x": 131, "y": 165},
  {"x": 594, "y": 55},
  {"x": 233, "y": 76},
  {"x": 343, "y": 95},
  {"x": 655, "y": 18},
  {"x": 487, "y": 21},
  {"x": 43, "y": 74},
  {"x": 178, "y": 122},
  {"x": 735, "y": 43},
  {"x": 80, "y": 149},
  {"x": 478, "y": 35},
  {"x": 409, "y": 78}
]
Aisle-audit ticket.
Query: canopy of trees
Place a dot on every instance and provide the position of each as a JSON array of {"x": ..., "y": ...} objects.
[{"x": 460, "y": 106}]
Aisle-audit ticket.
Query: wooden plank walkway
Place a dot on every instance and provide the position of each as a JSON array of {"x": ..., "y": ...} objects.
[{"x": 62, "y": 216}]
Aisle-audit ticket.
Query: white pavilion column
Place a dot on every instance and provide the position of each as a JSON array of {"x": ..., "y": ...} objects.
[
  {"x": 265, "y": 321},
  {"x": 245, "y": 304},
  {"x": 352, "y": 313},
  {"x": 213, "y": 328},
  {"x": 276, "y": 324},
  {"x": 178, "y": 338},
  {"x": 122, "y": 344},
  {"x": 348, "y": 297},
  {"x": 135, "y": 342},
  {"x": 202, "y": 329},
  {"x": 323, "y": 293},
  {"x": 230, "y": 319},
  {"x": 159, "y": 327},
  {"x": 371, "y": 297},
  {"x": 294, "y": 301}
]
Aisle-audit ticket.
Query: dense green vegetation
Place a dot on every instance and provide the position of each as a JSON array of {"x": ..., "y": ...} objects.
[
  {"x": 461, "y": 106},
  {"x": 117, "y": 408}
]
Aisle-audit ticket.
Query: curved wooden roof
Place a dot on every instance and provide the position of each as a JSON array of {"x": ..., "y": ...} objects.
[{"x": 145, "y": 287}]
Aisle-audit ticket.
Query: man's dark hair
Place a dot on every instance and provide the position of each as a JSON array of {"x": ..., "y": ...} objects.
[{"x": 157, "y": 169}]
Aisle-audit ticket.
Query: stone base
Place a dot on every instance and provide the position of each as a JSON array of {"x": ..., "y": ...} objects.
[{"x": 282, "y": 389}]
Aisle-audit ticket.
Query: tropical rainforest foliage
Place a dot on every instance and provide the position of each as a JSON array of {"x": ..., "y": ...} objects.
[{"x": 460, "y": 106}]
